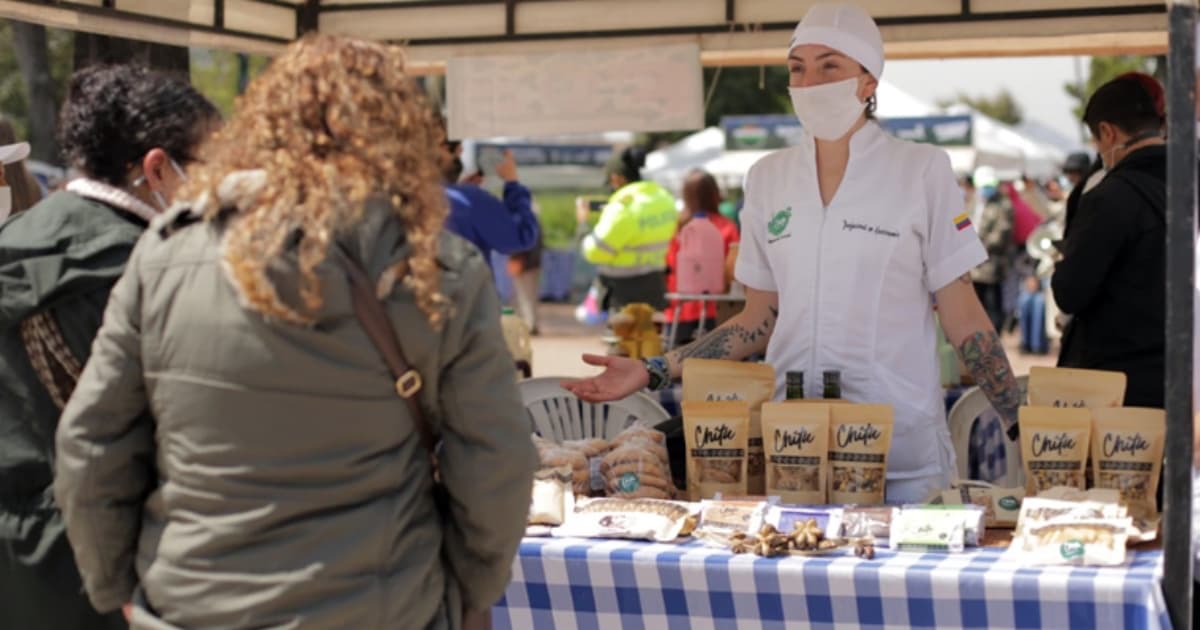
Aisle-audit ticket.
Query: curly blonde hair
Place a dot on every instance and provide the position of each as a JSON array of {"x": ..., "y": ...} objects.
[{"x": 332, "y": 123}]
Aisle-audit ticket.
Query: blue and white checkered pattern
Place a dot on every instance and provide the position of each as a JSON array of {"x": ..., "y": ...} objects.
[{"x": 594, "y": 585}]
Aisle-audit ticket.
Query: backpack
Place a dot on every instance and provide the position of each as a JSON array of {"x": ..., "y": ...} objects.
[{"x": 700, "y": 263}]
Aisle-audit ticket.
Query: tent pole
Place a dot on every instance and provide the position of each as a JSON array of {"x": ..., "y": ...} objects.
[{"x": 1180, "y": 246}]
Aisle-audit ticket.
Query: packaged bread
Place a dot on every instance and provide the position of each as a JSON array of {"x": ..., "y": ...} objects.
[
  {"x": 716, "y": 436},
  {"x": 717, "y": 380},
  {"x": 859, "y": 439},
  {"x": 1127, "y": 454},
  {"x": 637, "y": 467},
  {"x": 796, "y": 445},
  {"x": 1075, "y": 389},
  {"x": 1054, "y": 447},
  {"x": 640, "y": 519},
  {"x": 1099, "y": 542},
  {"x": 1001, "y": 506},
  {"x": 553, "y": 497},
  {"x": 583, "y": 457}
]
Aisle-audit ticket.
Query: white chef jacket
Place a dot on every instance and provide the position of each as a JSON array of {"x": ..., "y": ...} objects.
[{"x": 855, "y": 280}]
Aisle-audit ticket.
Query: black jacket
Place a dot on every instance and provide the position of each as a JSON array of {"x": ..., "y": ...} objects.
[
  {"x": 1112, "y": 277},
  {"x": 61, "y": 257}
]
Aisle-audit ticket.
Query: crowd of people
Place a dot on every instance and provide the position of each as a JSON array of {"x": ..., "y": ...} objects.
[{"x": 202, "y": 425}]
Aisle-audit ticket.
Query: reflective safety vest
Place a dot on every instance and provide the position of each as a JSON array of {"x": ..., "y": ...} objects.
[{"x": 634, "y": 231}]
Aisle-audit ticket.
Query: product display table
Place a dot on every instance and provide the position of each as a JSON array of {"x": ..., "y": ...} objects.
[{"x": 611, "y": 584}]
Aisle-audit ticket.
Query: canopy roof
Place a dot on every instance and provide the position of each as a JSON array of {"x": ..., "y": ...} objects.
[{"x": 729, "y": 32}]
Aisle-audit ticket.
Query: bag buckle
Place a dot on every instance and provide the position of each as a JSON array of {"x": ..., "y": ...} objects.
[{"x": 408, "y": 384}]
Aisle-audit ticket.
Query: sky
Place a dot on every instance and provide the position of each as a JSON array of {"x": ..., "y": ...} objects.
[{"x": 1035, "y": 82}]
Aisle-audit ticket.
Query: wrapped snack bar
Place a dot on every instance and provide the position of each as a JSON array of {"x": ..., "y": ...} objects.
[{"x": 639, "y": 519}]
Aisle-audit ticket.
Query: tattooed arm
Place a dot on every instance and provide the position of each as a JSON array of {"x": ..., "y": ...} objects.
[
  {"x": 970, "y": 331},
  {"x": 744, "y": 334}
]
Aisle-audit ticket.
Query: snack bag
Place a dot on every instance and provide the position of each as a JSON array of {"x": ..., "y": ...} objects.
[
  {"x": 553, "y": 497},
  {"x": 582, "y": 456},
  {"x": 1073, "y": 388},
  {"x": 716, "y": 435},
  {"x": 639, "y": 519},
  {"x": 637, "y": 466},
  {"x": 1001, "y": 506},
  {"x": 717, "y": 380},
  {"x": 796, "y": 445},
  {"x": 859, "y": 439},
  {"x": 1127, "y": 454},
  {"x": 1054, "y": 447}
]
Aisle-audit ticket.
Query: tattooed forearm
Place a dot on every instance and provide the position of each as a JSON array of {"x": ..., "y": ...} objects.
[
  {"x": 732, "y": 340},
  {"x": 984, "y": 356}
]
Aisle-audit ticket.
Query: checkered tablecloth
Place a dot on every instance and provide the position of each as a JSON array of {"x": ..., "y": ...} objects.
[{"x": 610, "y": 585}]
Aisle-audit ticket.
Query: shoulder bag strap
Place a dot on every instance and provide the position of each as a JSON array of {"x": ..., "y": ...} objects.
[{"x": 373, "y": 317}]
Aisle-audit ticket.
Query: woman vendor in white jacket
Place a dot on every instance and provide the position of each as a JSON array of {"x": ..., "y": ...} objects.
[{"x": 847, "y": 240}]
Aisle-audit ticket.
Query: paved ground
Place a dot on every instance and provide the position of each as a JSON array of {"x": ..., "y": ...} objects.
[{"x": 557, "y": 350}]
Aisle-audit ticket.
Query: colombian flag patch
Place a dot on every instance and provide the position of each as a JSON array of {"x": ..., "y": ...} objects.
[{"x": 962, "y": 221}]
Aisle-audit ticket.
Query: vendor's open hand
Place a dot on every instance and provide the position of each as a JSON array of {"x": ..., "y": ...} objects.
[
  {"x": 581, "y": 210},
  {"x": 621, "y": 377}
]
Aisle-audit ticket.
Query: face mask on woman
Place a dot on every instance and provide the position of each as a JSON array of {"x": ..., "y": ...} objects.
[
  {"x": 828, "y": 111},
  {"x": 158, "y": 196}
]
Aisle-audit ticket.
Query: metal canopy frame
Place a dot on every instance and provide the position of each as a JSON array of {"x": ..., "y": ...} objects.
[{"x": 731, "y": 33}]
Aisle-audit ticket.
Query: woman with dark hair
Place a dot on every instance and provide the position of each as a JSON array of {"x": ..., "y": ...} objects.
[
  {"x": 130, "y": 132},
  {"x": 1112, "y": 276},
  {"x": 285, "y": 479},
  {"x": 629, "y": 244}
]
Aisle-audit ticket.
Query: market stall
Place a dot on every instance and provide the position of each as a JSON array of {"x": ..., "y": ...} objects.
[{"x": 778, "y": 520}]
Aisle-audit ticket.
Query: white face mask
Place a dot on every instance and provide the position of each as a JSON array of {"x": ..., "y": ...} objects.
[
  {"x": 158, "y": 197},
  {"x": 5, "y": 202},
  {"x": 828, "y": 111}
]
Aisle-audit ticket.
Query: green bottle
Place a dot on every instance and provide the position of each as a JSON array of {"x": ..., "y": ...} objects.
[
  {"x": 795, "y": 385},
  {"x": 833, "y": 384}
]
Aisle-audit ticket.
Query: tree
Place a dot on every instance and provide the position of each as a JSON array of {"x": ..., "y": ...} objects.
[
  {"x": 734, "y": 91},
  {"x": 1002, "y": 106},
  {"x": 32, "y": 50},
  {"x": 1101, "y": 70}
]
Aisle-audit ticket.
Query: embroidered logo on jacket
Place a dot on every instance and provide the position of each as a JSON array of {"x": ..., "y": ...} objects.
[
  {"x": 962, "y": 221},
  {"x": 779, "y": 222}
]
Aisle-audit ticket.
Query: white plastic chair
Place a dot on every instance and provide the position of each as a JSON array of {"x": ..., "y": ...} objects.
[
  {"x": 971, "y": 405},
  {"x": 556, "y": 413}
]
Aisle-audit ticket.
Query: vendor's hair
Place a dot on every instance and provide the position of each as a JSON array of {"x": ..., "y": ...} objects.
[
  {"x": 333, "y": 122},
  {"x": 1133, "y": 102},
  {"x": 704, "y": 186},
  {"x": 114, "y": 115}
]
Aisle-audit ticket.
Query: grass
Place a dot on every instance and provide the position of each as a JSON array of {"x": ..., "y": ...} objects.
[{"x": 558, "y": 215}]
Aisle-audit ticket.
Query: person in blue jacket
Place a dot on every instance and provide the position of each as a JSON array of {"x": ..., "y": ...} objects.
[{"x": 506, "y": 226}]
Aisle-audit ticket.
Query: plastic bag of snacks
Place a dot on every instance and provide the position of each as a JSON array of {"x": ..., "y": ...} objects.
[
  {"x": 1054, "y": 447},
  {"x": 859, "y": 439},
  {"x": 1073, "y": 388},
  {"x": 1001, "y": 506},
  {"x": 553, "y": 496},
  {"x": 714, "y": 380},
  {"x": 641, "y": 519},
  {"x": 796, "y": 445},
  {"x": 582, "y": 456},
  {"x": 1127, "y": 454},
  {"x": 721, "y": 519},
  {"x": 716, "y": 435},
  {"x": 927, "y": 530},
  {"x": 637, "y": 466}
]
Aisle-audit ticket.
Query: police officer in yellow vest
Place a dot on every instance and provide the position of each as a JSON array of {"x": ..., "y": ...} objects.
[{"x": 628, "y": 246}]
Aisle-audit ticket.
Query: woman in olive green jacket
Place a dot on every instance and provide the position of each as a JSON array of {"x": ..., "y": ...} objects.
[{"x": 235, "y": 455}]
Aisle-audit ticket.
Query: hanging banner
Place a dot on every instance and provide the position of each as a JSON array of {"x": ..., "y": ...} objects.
[{"x": 775, "y": 131}]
